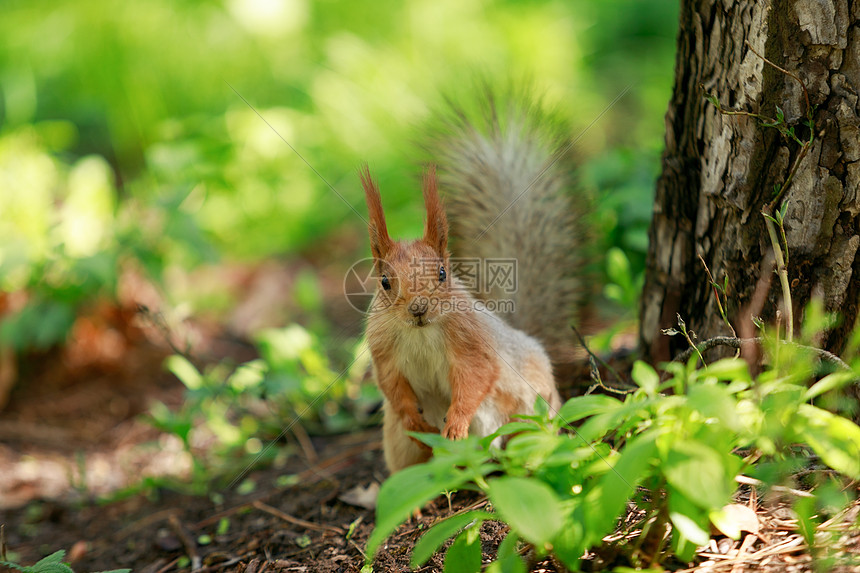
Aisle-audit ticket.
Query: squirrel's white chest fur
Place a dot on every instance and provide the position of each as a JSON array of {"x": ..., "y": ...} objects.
[{"x": 422, "y": 357}]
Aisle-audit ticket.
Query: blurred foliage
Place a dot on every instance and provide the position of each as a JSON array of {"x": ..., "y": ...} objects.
[
  {"x": 150, "y": 88},
  {"x": 229, "y": 410},
  {"x": 165, "y": 134}
]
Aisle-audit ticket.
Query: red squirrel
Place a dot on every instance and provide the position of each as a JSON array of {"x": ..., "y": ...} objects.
[{"x": 444, "y": 362}]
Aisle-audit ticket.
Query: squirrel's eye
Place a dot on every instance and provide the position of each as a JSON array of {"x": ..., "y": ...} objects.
[
  {"x": 442, "y": 274},
  {"x": 386, "y": 284}
]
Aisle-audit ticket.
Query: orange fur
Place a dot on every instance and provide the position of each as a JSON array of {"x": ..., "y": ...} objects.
[
  {"x": 442, "y": 364},
  {"x": 380, "y": 242},
  {"x": 436, "y": 225},
  {"x": 507, "y": 403},
  {"x": 474, "y": 369}
]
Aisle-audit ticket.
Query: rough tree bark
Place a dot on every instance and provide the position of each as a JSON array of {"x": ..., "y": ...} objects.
[{"x": 719, "y": 171}]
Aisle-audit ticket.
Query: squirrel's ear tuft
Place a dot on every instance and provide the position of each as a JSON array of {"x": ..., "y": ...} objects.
[
  {"x": 436, "y": 227},
  {"x": 380, "y": 242}
]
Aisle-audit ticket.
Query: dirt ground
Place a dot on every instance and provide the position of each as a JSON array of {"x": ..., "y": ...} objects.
[{"x": 75, "y": 434}]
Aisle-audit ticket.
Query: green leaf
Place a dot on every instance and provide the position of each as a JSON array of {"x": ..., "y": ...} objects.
[
  {"x": 467, "y": 453},
  {"x": 807, "y": 523},
  {"x": 570, "y": 544},
  {"x": 52, "y": 563},
  {"x": 541, "y": 407},
  {"x": 507, "y": 429},
  {"x": 646, "y": 377},
  {"x": 609, "y": 497},
  {"x": 185, "y": 371},
  {"x": 464, "y": 555},
  {"x": 689, "y": 528},
  {"x": 247, "y": 486},
  {"x": 529, "y": 506},
  {"x": 430, "y": 439},
  {"x": 614, "y": 292},
  {"x": 508, "y": 564},
  {"x": 699, "y": 472},
  {"x": 248, "y": 376},
  {"x": 507, "y": 558},
  {"x": 834, "y": 438},
  {"x": 725, "y": 523},
  {"x": 683, "y": 548},
  {"x": 713, "y": 100},
  {"x": 828, "y": 383},
  {"x": 618, "y": 267},
  {"x": 569, "y": 454},
  {"x": 597, "y": 426},
  {"x": 728, "y": 369},
  {"x": 690, "y": 522},
  {"x": 508, "y": 546},
  {"x": 223, "y": 526},
  {"x": 584, "y": 406},
  {"x": 530, "y": 449},
  {"x": 441, "y": 532},
  {"x": 408, "y": 490},
  {"x": 714, "y": 401}
]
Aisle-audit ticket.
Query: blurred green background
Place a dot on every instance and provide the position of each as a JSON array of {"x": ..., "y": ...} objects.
[
  {"x": 194, "y": 146},
  {"x": 124, "y": 139}
]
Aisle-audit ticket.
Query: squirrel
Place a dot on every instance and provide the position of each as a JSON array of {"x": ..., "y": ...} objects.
[{"x": 443, "y": 361}]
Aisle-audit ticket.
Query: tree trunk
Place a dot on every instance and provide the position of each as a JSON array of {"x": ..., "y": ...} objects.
[{"x": 720, "y": 171}]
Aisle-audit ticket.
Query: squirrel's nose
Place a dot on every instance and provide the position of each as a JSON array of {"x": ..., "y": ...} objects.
[{"x": 418, "y": 308}]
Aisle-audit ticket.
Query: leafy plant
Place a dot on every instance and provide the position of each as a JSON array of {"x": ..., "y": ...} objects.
[
  {"x": 65, "y": 236},
  {"x": 229, "y": 408},
  {"x": 57, "y": 239},
  {"x": 624, "y": 287},
  {"x": 675, "y": 456},
  {"x": 53, "y": 563}
]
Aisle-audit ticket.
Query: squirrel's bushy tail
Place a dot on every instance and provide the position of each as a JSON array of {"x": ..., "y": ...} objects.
[{"x": 506, "y": 174}]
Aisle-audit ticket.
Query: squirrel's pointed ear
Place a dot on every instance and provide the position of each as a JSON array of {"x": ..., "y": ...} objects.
[
  {"x": 436, "y": 227},
  {"x": 380, "y": 242}
]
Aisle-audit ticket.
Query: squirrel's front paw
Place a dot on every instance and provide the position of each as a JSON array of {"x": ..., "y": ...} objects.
[{"x": 455, "y": 431}]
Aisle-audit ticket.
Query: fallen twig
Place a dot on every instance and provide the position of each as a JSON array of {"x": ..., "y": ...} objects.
[
  {"x": 749, "y": 539},
  {"x": 778, "y": 488},
  {"x": 170, "y": 565},
  {"x": 295, "y": 520},
  {"x": 305, "y": 443},
  {"x": 190, "y": 544}
]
